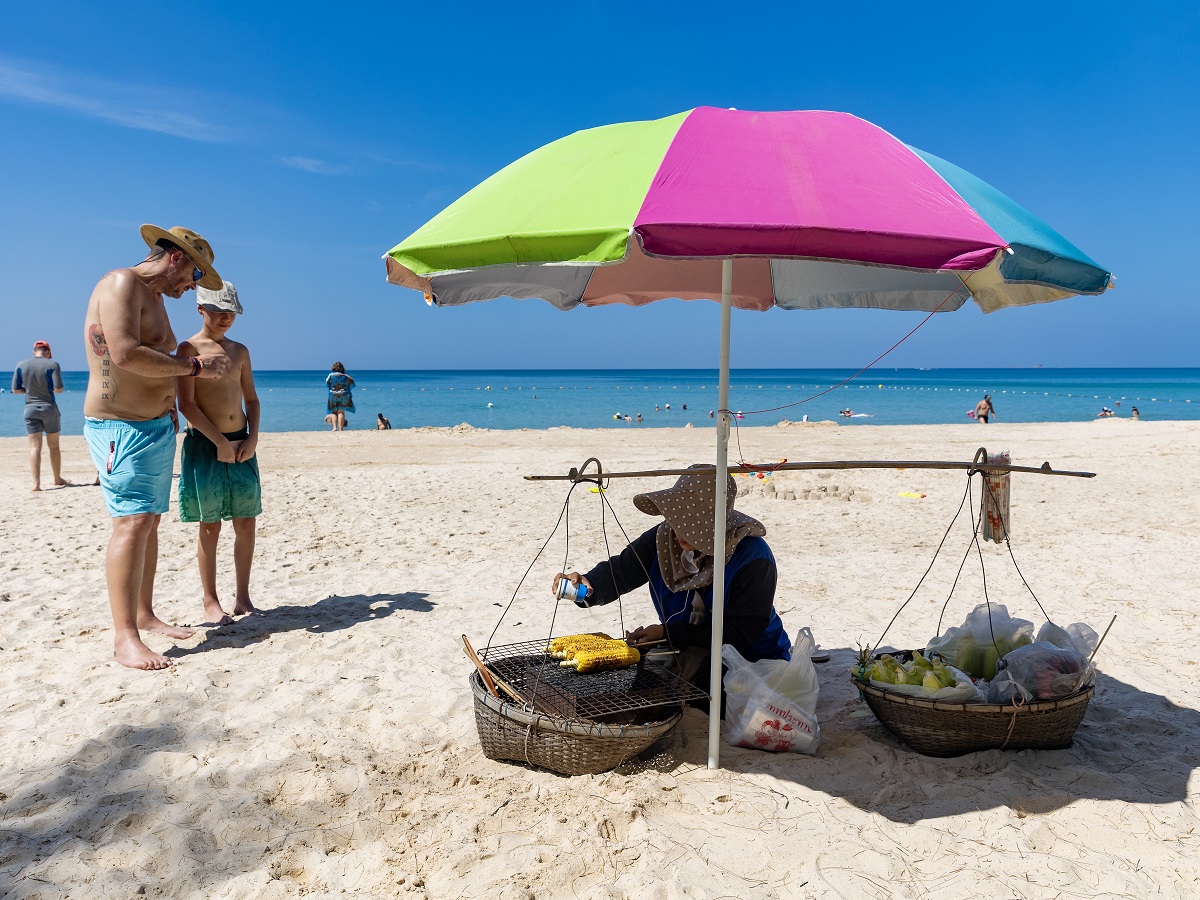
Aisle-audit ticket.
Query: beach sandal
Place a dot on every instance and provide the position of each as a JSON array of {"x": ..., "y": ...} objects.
[{"x": 819, "y": 655}]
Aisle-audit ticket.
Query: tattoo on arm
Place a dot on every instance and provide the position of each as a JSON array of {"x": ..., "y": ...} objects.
[{"x": 100, "y": 347}]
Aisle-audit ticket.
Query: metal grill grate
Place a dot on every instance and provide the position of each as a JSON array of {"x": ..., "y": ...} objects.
[{"x": 621, "y": 696}]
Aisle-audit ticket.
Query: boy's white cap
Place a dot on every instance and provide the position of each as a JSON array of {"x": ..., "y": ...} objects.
[{"x": 224, "y": 300}]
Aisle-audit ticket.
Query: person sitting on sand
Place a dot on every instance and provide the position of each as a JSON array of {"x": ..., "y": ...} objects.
[
  {"x": 676, "y": 558},
  {"x": 218, "y": 469},
  {"x": 382, "y": 423}
]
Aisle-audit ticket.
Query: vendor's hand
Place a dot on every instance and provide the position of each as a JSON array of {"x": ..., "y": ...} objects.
[
  {"x": 647, "y": 634},
  {"x": 246, "y": 449},
  {"x": 573, "y": 577},
  {"x": 226, "y": 452}
]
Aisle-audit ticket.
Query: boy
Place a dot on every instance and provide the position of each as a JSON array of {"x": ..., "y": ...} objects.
[{"x": 219, "y": 470}]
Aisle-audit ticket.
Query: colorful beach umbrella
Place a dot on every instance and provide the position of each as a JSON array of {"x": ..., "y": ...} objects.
[{"x": 801, "y": 210}]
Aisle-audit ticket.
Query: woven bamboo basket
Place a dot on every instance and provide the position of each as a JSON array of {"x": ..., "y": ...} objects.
[
  {"x": 936, "y": 728},
  {"x": 568, "y": 746}
]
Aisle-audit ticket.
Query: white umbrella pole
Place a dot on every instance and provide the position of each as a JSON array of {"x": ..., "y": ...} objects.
[{"x": 722, "y": 476}]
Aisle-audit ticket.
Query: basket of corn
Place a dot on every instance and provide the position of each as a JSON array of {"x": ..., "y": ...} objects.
[{"x": 949, "y": 720}]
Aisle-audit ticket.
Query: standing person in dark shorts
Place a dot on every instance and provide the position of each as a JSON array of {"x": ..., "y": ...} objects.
[
  {"x": 39, "y": 379},
  {"x": 984, "y": 411},
  {"x": 130, "y": 421},
  {"x": 218, "y": 472}
]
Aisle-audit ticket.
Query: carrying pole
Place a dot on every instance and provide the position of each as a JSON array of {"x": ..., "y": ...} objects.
[{"x": 722, "y": 476}]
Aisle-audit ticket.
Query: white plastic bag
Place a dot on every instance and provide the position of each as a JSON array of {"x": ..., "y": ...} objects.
[
  {"x": 772, "y": 704},
  {"x": 970, "y": 647}
]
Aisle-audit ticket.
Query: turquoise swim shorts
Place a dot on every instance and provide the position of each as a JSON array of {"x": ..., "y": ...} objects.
[
  {"x": 210, "y": 490},
  {"x": 134, "y": 460}
]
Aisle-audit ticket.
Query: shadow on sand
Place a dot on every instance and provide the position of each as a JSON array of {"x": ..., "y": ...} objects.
[
  {"x": 334, "y": 613},
  {"x": 1132, "y": 746}
]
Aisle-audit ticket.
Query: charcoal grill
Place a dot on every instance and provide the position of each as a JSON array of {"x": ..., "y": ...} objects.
[{"x": 570, "y": 722}]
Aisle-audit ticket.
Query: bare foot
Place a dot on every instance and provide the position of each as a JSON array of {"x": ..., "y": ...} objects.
[
  {"x": 158, "y": 626},
  {"x": 214, "y": 613},
  {"x": 36, "y": 487},
  {"x": 96, "y": 483},
  {"x": 246, "y": 608},
  {"x": 62, "y": 482},
  {"x": 133, "y": 653}
]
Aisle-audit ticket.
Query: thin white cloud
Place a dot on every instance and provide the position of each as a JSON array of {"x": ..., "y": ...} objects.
[
  {"x": 127, "y": 105},
  {"x": 316, "y": 166},
  {"x": 181, "y": 113}
]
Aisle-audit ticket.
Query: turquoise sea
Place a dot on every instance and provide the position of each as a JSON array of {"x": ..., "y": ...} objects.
[{"x": 510, "y": 399}]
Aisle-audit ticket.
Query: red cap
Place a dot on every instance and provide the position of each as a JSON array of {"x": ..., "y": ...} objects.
[{"x": 37, "y": 344}]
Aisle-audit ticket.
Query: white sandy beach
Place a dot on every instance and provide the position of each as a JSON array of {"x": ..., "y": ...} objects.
[{"x": 331, "y": 746}]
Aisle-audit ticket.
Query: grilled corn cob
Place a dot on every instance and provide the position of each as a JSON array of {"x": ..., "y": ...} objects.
[
  {"x": 615, "y": 655},
  {"x": 561, "y": 645}
]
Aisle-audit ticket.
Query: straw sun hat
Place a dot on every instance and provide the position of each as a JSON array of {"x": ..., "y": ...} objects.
[
  {"x": 197, "y": 249},
  {"x": 687, "y": 508}
]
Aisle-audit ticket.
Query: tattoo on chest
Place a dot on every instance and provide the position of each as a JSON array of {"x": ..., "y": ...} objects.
[{"x": 100, "y": 347}]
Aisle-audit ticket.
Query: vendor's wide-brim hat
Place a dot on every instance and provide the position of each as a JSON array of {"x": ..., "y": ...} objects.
[
  {"x": 198, "y": 250},
  {"x": 688, "y": 508}
]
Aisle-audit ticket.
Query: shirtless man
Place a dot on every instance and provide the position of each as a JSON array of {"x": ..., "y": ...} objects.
[
  {"x": 218, "y": 473},
  {"x": 130, "y": 420},
  {"x": 984, "y": 409}
]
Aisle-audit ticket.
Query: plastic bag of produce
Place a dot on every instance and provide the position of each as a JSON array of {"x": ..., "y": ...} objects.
[
  {"x": 1040, "y": 671},
  {"x": 1078, "y": 637},
  {"x": 970, "y": 647},
  {"x": 771, "y": 704}
]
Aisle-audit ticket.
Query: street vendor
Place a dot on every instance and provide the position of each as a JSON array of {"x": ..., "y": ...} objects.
[{"x": 676, "y": 558}]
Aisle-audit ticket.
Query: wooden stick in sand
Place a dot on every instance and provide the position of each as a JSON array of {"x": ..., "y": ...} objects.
[
  {"x": 1102, "y": 637},
  {"x": 490, "y": 678}
]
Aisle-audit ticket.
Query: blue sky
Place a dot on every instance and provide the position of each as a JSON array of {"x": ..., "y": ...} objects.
[{"x": 305, "y": 140}]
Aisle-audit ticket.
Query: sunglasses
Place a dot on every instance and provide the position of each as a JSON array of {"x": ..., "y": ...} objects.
[{"x": 197, "y": 272}]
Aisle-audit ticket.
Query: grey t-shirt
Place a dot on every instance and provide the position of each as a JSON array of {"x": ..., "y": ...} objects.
[{"x": 40, "y": 377}]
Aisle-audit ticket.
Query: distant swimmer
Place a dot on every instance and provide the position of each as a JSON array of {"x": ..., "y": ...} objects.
[
  {"x": 1105, "y": 413},
  {"x": 668, "y": 406},
  {"x": 984, "y": 410},
  {"x": 489, "y": 406},
  {"x": 639, "y": 417},
  {"x": 1133, "y": 412},
  {"x": 627, "y": 418},
  {"x": 658, "y": 409},
  {"x": 710, "y": 413},
  {"x": 685, "y": 406}
]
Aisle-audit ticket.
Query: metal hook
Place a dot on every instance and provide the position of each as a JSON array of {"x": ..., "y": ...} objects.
[
  {"x": 579, "y": 475},
  {"x": 980, "y": 459}
]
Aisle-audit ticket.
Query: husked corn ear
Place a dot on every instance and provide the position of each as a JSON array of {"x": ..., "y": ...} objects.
[
  {"x": 616, "y": 655},
  {"x": 567, "y": 641}
]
